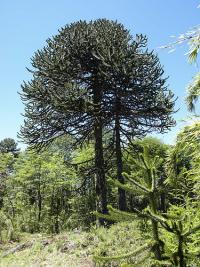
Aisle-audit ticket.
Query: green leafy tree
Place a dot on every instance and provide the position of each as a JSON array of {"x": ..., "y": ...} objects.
[
  {"x": 84, "y": 195},
  {"x": 39, "y": 192},
  {"x": 6, "y": 168},
  {"x": 7, "y": 160},
  {"x": 8, "y": 152}
]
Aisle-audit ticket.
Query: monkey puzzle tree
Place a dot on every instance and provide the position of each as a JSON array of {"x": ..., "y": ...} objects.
[
  {"x": 94, "y": 76},
  {"x": 66, "y": 93}
]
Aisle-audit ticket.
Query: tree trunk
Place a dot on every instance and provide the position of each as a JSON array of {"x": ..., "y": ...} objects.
[
  {"x": 157, "y": 250},
  {"x": 101, "y": 188},
  {"x": 157, "y": 247},
  {"x": 162, "y": 196},
  {"x": 118, "y": 151},
  {"x": 57, "y": 216},
  {"x": 180, "y": 251},
  {"x": 39, "y": 204}
]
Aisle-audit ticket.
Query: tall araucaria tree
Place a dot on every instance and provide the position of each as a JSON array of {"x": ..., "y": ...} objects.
[
  {"x": 93, "y": 76},
  {"x": 66, "y": 93}
]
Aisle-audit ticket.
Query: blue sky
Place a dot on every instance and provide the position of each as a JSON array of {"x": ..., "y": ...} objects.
[{"x": 25, "y": 26}]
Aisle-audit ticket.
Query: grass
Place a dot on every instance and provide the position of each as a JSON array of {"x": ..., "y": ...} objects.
[
  {"x": 60, "y": 250},
  {"x": 75, "y": 248}
]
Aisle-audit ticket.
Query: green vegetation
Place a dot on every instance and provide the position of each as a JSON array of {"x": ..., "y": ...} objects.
[
  {"x": 91, "y": 188},
  {"x": 73, "y": 248}
]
